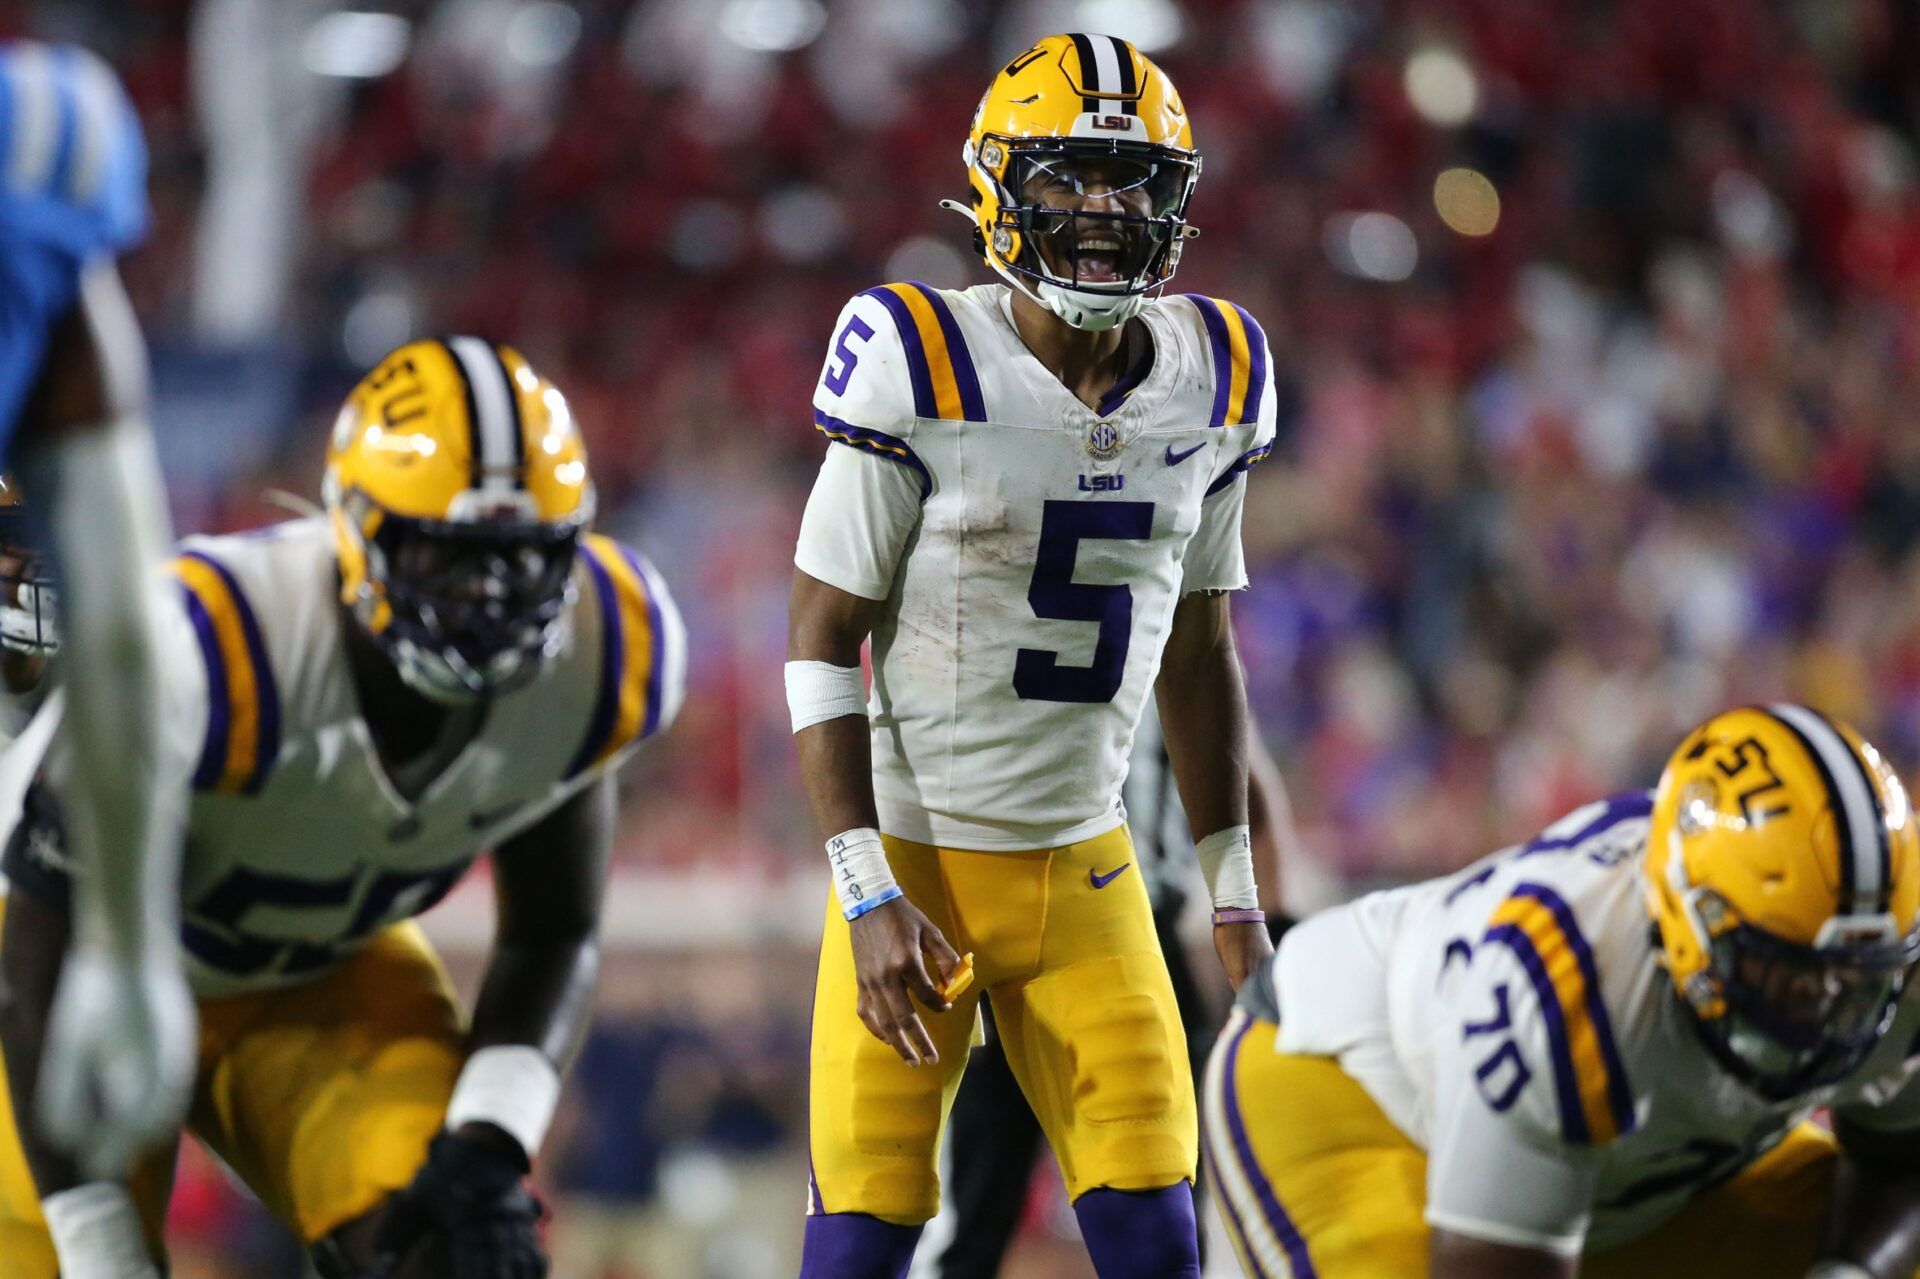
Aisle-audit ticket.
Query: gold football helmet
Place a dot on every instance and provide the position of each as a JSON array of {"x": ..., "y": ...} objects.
[
  {"x": 457, "y": 487},
  {"x": 1783, "y": 877},
  {"x": 1082, "y": 164}
]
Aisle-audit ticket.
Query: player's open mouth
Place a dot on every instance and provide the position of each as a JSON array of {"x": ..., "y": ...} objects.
[{"x": 1097, "y": 260}]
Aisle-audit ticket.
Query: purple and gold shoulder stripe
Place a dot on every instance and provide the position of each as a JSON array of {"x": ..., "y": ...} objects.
[
  {"x": 1239, "y": 348},
  {"x": 879, "y": 443},
  {"x": 631, "y": 703},
  {"x": 243, "y": 702},
  {"x": 1241, "y": 465},
  {"x": 1589, "y": 1079},
  {"x": 939, "y": 365}
]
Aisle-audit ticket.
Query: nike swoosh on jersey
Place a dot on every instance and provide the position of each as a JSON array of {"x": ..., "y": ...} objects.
[
  {"x": 1101, "y": 881},
  {"x": 1175, "y": 459}
]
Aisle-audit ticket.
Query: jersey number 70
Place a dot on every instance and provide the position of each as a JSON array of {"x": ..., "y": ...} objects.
[{"x": 1038, "y": 674}]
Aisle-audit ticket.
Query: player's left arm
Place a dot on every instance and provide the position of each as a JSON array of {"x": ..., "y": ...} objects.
[
  {"x": 1873, "y": 1227},
  {"x": 535, "y": 1003},
  {"x": 549, "y": 883},
  {"x": 1202, "y": 698}
]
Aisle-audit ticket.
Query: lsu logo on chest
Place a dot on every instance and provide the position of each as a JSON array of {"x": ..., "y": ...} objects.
[{"x": 1104, "y": 443}]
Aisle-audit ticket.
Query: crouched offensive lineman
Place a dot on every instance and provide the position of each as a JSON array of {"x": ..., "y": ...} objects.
[
  {"x": 448, "y": 662},
  {"x": 1597, "y": 1053}
]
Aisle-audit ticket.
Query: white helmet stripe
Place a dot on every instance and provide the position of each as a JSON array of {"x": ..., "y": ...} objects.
[
  {"x": 1861, "y": 830},
  {"x": 496, "y": 425},
  {"x": 1106, "y": 74}
]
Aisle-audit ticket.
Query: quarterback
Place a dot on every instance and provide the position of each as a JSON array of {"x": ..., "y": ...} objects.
[
  {"x": 1031, "y": 508},
  {"x": 1598, "y": 1053},
  {"x": 357, "y": 706},
  {"x": 73, "y": 427}
]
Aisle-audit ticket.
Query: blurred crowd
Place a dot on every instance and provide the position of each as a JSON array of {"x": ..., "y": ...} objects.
[{"x": 1596, "y": 329}]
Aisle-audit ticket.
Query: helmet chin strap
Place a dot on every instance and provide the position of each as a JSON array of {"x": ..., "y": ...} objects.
[
  {"x": 1081, "y": 308},
  {"x": 1094, "y": 313}
]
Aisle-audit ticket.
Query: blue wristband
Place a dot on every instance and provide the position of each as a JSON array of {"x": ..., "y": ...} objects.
[{"x": 881, "y": 898}]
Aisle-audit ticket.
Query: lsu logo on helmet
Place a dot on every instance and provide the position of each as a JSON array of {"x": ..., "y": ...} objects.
[
  {"x": 457, "y": 488},
  {"x": 1081, "y": 163},
  {"x": 1783, "y": 876}
]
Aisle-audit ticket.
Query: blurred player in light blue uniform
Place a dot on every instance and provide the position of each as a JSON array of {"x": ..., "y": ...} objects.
[{"x": 73, "y": 427}]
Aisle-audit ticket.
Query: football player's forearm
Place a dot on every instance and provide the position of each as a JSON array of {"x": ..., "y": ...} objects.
[
  {"x": 548, "y": 886},
  {"x": 92, "y": 476},
  {"x": 836, "y": 766},
  {"x": 32, "y": 945},
  {"x": 106, "y": 534},
  {"x": 539, "y": 994}
]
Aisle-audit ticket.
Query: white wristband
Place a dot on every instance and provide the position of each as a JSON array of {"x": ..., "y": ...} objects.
[
  {"x": 1839, "y": 1270},
  {"x": 511, "y": 1086},
  {"x": 97, "y": 1233},
  {"x": 1226, "y": 860},
  {"x": 820, "y": 691},
  {"x": 861, "y": 877}
]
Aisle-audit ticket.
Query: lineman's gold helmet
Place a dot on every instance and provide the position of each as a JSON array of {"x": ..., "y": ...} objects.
[
  {"x": 457, "y": 485},
  {"x": 1783, "y": 876}
]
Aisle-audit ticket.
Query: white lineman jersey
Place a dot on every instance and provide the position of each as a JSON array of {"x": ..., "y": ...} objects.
[
  {"x": 1030, "y": 550},
  {"x": 1513, "y": 1021},
  {"x": 299, "y": 848}
]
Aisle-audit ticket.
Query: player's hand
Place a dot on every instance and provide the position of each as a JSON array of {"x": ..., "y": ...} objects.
[
  {"x": 892, "y": 946},
  {"x": 1242, "y": 949},
  {"x": 470, "y": 1207},
  {"x": 118, "y": 1065}
]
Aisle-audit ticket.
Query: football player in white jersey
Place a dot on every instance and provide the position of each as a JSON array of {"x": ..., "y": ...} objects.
[
  {"x": 1596, "y": 1053},
  {"x": 447, "y": 662},
  {"x": 1031, "y": 506}
]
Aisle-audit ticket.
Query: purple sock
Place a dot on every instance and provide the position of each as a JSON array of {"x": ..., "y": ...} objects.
[
  {"x": 852, "y": 1245},
  {"x": 1141, "y": 1234}
]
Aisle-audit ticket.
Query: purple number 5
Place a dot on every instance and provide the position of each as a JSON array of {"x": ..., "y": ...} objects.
[{"x": 836, "y": 379}]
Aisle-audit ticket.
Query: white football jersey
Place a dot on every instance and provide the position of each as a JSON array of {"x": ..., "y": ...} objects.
[
  {"x": 1512, "y": 1020},
  {"x": 1030, "y": 549},
  {"x": 299, "y": 848}
]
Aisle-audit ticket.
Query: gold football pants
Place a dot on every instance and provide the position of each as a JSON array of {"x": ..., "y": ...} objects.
[
  {"x": 1063, "y": 941},
  {"x": 1314, "y": 1180},
  {"x": 321, "y": 1097}
]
